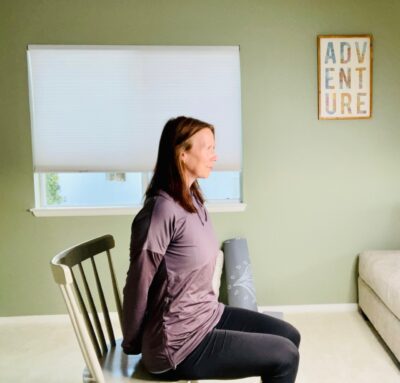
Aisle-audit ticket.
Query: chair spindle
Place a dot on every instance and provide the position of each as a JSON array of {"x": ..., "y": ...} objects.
[
  {"x": 115, "y": 288},
  {"x": 103, "y": 304},
  {"x": 99, "y": 329},
  {"x": 85, "y": 314}
]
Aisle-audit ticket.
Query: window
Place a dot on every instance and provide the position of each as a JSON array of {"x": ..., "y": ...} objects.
[
  {"x": 122, "y": 189},
  {"x": 97, "y": 113}
]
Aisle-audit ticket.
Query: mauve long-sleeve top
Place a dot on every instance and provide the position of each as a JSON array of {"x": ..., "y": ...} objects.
[{"x": 169, "y": 304}]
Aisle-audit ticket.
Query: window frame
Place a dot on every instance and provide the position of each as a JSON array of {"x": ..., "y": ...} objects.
[{"x": 40, "y": 210}]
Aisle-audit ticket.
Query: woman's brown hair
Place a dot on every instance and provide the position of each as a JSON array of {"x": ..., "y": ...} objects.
[{"x": 168, "y": 172}]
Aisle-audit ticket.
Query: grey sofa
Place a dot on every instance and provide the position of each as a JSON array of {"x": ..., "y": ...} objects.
[{"x": 379, "y": 294}]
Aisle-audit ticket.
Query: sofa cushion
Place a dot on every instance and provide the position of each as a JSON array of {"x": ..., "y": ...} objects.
[{"x": 381, "y": 271}]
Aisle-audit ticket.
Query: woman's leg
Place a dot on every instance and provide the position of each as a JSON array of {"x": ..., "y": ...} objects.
[
  {"x": 239, "y": 319},
  {"x": 229, "y": 354}
]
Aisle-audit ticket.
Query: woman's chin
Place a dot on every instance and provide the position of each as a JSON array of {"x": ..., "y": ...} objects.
[{"x": 205, "y": 174}]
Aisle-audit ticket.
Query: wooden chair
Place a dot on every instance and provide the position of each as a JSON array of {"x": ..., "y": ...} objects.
[{"x": 105, "y": 360}]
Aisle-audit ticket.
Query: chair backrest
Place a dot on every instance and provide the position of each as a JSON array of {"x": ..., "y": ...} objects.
[{"x": 66, "y": 266}]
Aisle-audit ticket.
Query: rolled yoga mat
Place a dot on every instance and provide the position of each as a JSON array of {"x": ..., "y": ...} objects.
[{"x": 239, "y": 278}]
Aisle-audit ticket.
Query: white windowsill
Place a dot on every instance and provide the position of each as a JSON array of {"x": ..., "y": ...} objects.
[{"x": 223, "y": 207}]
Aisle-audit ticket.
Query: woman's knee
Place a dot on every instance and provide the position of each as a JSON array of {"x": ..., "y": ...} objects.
[
  {"x": 293, "y": 357},
  {"x": 294, "y": 335},
  {"x": 289, "y": 359}
]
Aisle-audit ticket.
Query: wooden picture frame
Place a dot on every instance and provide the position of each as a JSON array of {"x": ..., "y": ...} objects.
[{"x": 344, "y": 77}]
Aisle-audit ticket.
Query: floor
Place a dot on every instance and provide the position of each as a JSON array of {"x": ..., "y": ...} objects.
[
  {"x": 337, "y": 347},
  {"x": 342, "y": 347}
]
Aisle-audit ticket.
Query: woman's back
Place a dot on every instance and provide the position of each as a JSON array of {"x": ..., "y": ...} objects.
[{"x": 168, "y": 297}]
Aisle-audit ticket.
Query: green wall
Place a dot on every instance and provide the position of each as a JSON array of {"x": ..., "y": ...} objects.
[{"x": 318, "y": 192}]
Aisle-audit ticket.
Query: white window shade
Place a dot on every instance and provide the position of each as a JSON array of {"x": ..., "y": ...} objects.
[{"x": 102, "y": 108}]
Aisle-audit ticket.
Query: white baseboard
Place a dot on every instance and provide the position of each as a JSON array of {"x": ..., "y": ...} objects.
[{"x": 333, "y": 307}]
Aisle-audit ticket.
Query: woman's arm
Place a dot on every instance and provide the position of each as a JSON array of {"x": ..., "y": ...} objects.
[
  {"x": 152, "y": 231},
  {"x": 141, "y": 272}
]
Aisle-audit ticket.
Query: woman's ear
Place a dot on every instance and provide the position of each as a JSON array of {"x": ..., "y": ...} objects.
[{"x": 183, "y": 156}]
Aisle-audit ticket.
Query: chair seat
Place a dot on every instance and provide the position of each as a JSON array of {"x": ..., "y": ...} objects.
[{"x": 121, "y": 368}]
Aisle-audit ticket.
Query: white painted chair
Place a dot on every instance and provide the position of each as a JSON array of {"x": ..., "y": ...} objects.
[{"x": 105, "y": 360}]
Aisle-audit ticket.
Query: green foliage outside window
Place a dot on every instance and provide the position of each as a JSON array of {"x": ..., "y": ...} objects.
[{"x": 53, "y": 189}]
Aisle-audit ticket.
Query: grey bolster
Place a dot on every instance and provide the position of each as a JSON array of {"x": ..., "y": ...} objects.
[{"x": 239, "y": 278}]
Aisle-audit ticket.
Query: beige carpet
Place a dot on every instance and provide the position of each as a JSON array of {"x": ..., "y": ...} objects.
[
  {"x": 336, "y": 347},
  {"x": 341, "y": 347}
]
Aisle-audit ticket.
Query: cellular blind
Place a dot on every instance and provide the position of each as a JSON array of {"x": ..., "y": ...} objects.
[{"x": 102, "y": 108}]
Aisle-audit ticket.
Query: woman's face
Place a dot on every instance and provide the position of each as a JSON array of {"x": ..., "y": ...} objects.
[{"x": 199, "y": 160}]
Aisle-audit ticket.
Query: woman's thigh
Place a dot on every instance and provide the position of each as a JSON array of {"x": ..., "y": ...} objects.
[
  {"x": 239, "y": 319},
  {"x": 228, "y": 354}
]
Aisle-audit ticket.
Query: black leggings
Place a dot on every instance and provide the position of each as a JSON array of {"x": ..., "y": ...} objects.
[{"x": 244, "y": 343}]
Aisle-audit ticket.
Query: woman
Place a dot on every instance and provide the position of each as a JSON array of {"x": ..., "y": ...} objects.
[{"x": 171, "y": 314}]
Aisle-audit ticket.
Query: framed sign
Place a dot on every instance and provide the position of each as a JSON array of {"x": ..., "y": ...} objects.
[{"x": 344, "y": 77}]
